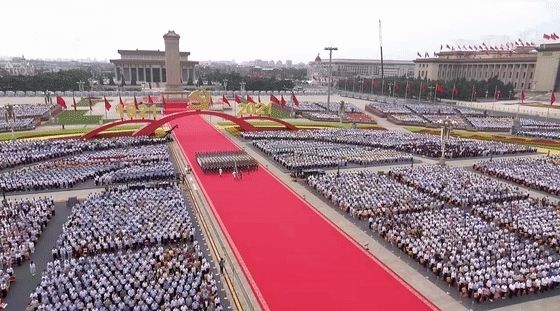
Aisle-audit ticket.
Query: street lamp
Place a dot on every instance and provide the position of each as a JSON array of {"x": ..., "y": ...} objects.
[
  {"x": 446, "y": 127},
  {"x": 391, "y": 84},
  {"x": 225, "y": 84},
  {"x": 330, "y": 49}
]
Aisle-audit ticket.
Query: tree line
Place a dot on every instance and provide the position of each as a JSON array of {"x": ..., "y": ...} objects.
[
  {"x": 254, "y": 84},
  {"x": 464, "y": 89},
  {"x": 66, "y": 80}
]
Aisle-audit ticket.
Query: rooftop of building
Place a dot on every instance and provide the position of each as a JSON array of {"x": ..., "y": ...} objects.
[{"x": 148, "y": 52}]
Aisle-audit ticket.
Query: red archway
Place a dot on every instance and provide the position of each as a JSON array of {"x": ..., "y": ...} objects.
[
  {"x": 149, "y": 129},
  {"x": 288, "y": 125},
  {"x": 96, "y": 131}
]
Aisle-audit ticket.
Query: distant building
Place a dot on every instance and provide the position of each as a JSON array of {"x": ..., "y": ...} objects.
[
  {"x": 318, "y": 70},
  {"x": 148, "y": 66},
  {"x": 531, "y": 68}
]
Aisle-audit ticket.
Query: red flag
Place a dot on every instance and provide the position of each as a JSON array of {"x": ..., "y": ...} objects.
[
  {"x": 60, "y": 101},
  {"x": 555, "y": 36},
  {"x": 497, "y": 93},
  {"x": 259, "y": 98},
  {"x": 74, "y": 102},
  {"x": 396, "y": 86},
  {"x": 470, "y": 47},
  {"x": 237, "y": 99},
  {"x": 422, "y": 87},
  {"x": 135, "y": 103},
  {"x": 447, "y": 46},
  {"x": 407, "y": 88},
  {"x": 274, "y": 100},
  {"x": 473, "y": 92},
  {"x": 211, "y": 101},
  {"x": 418, "y": 53},
  {"x": 294, "y": 99},
  {"x": 282, "y": 101},
  {"x": 439, "y": 88},
  {"x": 552, "y": 98},
  {"x": 90, "y": 105},
  {"x": 455, "y": 90},
  {"x": 150, "y": 100},
  {"x": 107, "y": 104},
  {"x": 250, "y": 99},
  {"x": 162, "y": 100},
  {"x": 522, "y": 96},
  {"x": 121, "y": 102},
  {"x": 225, "y": 100},
  {"x": 441, "y": 47},
  {"x": 373, "y": 83}
]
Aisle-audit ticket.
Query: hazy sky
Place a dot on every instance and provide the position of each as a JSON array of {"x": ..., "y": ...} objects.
[{"x": 266, "y": 29}]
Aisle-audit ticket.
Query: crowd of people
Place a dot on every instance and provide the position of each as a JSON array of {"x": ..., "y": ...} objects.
[
  {"x": 484, "y": 262},
  {"x": 21, "y": 224},
  {"x": 538, "y": 133},
  {"x": 541, "y": 173},
  {"x": 24, "y": 152},
  {"x": 491, "y": 123},
  {"x": 129, "y": 248},
  {"x": 456, "y": 185},
  {"x": 383, "y": 109},
  {"x": 297, "y": 154},
  {"x": 420, "y": 144},
  {"x": 537, "y": 220},
  {"x": 431, "y": 109},
  {"x": 222, "y": 161},
  {"x": 106, "y": 166},
  {"x": 458, "y": 121},
  {"x": 17, "y": 125},
  {"x": 38, "y": 110},
  {"x": 367, "y": 194},
  {"x": 487, "y": 240},
  {"x": 407, "y": 119}
]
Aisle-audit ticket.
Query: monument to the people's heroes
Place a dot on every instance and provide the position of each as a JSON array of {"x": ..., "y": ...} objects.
[{"x": 172, "y": 63}]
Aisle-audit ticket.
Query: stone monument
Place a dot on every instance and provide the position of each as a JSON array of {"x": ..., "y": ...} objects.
[{"x": 172, "y": 62}]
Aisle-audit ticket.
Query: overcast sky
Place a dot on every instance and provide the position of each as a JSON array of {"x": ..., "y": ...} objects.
[{"x": 283, "y": 29}]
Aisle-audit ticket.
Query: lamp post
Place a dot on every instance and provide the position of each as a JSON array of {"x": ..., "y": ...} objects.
[
  {"x": 330, "y": 49},
  {"x": 446, "y": 127},
  {"x": 225, "y": 84}
]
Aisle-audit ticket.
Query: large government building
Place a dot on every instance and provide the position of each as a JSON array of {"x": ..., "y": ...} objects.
[
  {"x": 318, "y": 70},
  {"x": 534, "y": 68},
  {"x": 148, "y": 66}
]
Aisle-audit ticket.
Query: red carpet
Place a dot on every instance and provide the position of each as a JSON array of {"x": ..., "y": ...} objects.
[{"x": 294, "y": 258}]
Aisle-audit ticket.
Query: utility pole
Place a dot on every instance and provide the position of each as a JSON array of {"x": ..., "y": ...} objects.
[
  {"x": 330, "y": 49},
  {"x": 381, "y": 50}
]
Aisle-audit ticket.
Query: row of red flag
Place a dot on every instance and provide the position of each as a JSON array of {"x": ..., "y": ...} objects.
[
  {"x": 280, "y": 102},
  {"x": 62, "y": 103},
  {"x": 552, "y": 36},
  {"x": 483, "y": 46}
]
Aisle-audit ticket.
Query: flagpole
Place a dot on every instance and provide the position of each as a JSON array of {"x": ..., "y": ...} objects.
[
  {"x": 452, "y": 92},
  {"x": 406, "y": 90}
]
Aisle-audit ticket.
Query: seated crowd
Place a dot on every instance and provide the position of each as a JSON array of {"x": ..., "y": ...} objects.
[
  {"x": 367, "y": 194},
  {"x": 420, "y": 144},
  {"x": 384, "y": 109},
  {"x": 483, "y": 255},
  {"x": 456, "y": 185},
  {"x": 482, "y": 261},
  {"x": 457, "y": 121},
  {"x": 431, "y": 109},
  {"x": 533, "y": 219},
  {"x": 407, "y": 118},
  {"x": 113, "y": 165},
  {"x": 534, "y": 124},
  {"x": 491, "y": 123},
  {"x": 469, "y": 112},
  {"x": 295, "y": 155},
  {"x": 18, "y": 125},
  {"x": 129, "y": 249},
  {"x": 542, "y": 174},
  {"x": 539, "y": 133},
  {"x": 307, "y": 106},
  {"x": 21, "y": 224},
  {"x": 30, "y": 111},
  {"x": 22, "y": 152}
]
